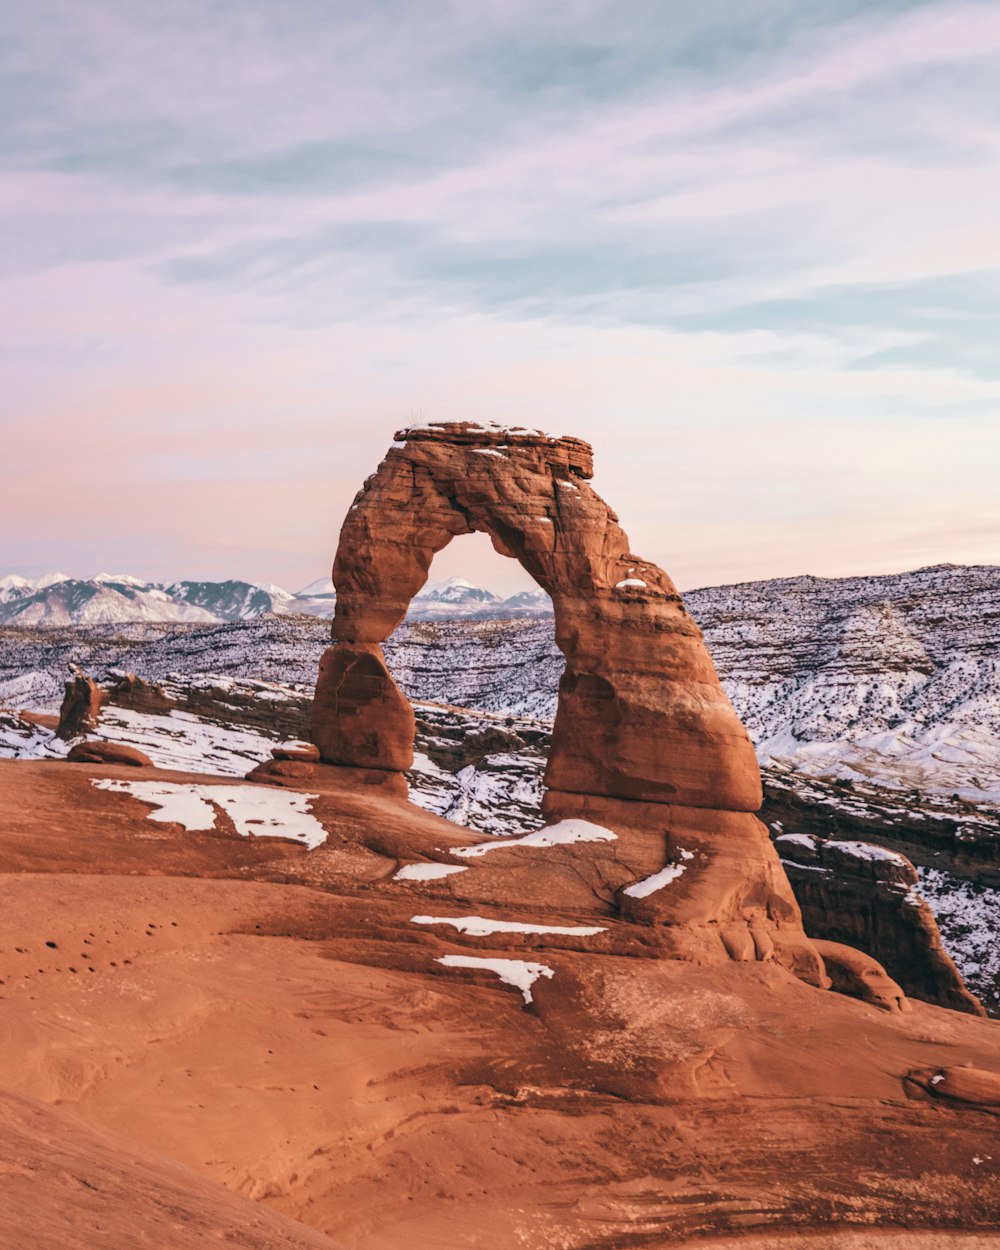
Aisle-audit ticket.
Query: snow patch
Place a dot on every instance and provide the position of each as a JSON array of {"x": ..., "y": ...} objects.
[
  {"x": 427, "y": 872},
  {"x": 562, "y": 834},
  {"x": 262, "y": 812},
  {"x": 795, "y": 839},
  {"x": 480, "y": 926},
  {"x": 520, "y": 973},
  {"x": 866, "y": 851},
  {"x": 649, "y": 885}
]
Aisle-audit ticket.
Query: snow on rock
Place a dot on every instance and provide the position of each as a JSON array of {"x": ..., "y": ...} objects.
[
  {"x": 867, "y": 851},
  {"x": 520, "y": 973},
  {"x": 968, "y": 915},
  {"x": 173, "y": 804},
  {"x": 22, "y": 740},
  {"x": 891, "y": 677},
  {"x": 484, "y": 427},
  {"x": 561, "y": 834},
  {"x": 480, "y": 926},
  {"x": 805, "y": 840},
  {"x": 629, "y": 582},
  {"x": 427, "y": 872},
  {"x": 258, "y": 811},
  {"x": 649, "y": 885},
  {"x": 184, "y": 742}
]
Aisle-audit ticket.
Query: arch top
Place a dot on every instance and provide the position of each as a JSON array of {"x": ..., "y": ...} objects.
[
  {"x": 641, "y": 713},
  {"x": 575, "y": 455}
]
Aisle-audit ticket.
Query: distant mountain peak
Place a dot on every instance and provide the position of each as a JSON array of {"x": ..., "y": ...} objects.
[
  {"x": 321, "y": 588},
  {"x": 457, "y": 590},
  {"x": 119, "y": 579},
  {"x": 49, "y": 579}
]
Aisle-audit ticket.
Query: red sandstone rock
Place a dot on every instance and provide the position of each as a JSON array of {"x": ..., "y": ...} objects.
[
  {"x": 97, "y": 752},
  {"x": 857, "y": 974},
  {"x": 641, "y": 713},
  {"x": 283, "y": 772},
  {"x": 638, "y": 1091},
  {"x": 360, "y": 717},
  {"x": 977, "y": 1087},
  {"x": 140, "y": 695},
  {"x": 81, "y": 706}
]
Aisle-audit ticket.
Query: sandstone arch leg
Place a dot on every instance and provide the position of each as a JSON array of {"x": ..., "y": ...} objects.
[{"x": 360, "y": 717}]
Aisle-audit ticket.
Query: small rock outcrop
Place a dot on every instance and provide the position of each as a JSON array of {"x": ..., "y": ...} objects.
[
  {"x": 854, "y": 973},
  {"x": 95, "y": 751},
  {"x": 81, "y": 705},
  {"x": 975, "y": 1087}
]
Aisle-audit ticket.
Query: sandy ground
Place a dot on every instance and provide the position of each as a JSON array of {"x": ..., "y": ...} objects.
[{"x": 209, "y": 1038}]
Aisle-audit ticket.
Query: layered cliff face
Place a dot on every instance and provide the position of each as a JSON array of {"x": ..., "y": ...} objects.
[{"x": 869, "y": 897}]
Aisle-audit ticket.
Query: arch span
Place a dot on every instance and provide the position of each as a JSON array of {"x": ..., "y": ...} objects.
[{"x": 641, "y": 713}]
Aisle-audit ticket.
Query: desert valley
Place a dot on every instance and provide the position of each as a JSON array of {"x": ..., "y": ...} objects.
[{"x": 593, "y": 916}]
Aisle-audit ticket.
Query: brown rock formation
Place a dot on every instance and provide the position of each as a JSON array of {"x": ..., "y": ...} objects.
[
  {"x": 140, "y": 695},
  {"x": 95, "y": 751},
  {"x": 857, "y": 974},
  {"x": 202, "y": 1011},
  {"x": 641, "y": 713},
  {"x": 296, "y": 750},
  {"x": 81, "y": 705},
  {"x": 962, "y": 1085},
  {"x": 868, "y": 897},
  {"x": 645, "y": 740}
]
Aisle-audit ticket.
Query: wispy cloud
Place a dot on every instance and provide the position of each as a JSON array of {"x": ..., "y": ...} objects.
[{"x": 741, "y": 233}]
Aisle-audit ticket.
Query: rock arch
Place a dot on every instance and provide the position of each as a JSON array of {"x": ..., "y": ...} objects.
[{"x": 641, "y": 713}]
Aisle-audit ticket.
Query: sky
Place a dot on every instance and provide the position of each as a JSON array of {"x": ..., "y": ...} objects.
[{"x": 749, "y": 250}]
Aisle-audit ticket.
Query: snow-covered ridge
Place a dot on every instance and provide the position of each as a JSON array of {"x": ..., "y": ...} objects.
[
  {"x": 892, "y": 680},
  {"x": 117, "y": 598},
  {"x": 110, "y": 598}
]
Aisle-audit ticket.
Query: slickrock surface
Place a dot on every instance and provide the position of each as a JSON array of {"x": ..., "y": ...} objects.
[
  {"x": 273, "y": 1018},
  {"x": 69, "y": 1186},
  {"x": 637, "y": 676}
]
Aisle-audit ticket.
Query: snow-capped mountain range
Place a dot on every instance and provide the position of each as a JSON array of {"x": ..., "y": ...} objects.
[{"x": 117, "y": 598}]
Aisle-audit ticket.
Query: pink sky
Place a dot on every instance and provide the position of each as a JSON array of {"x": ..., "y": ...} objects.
[{"x": 752, "y": 258}]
